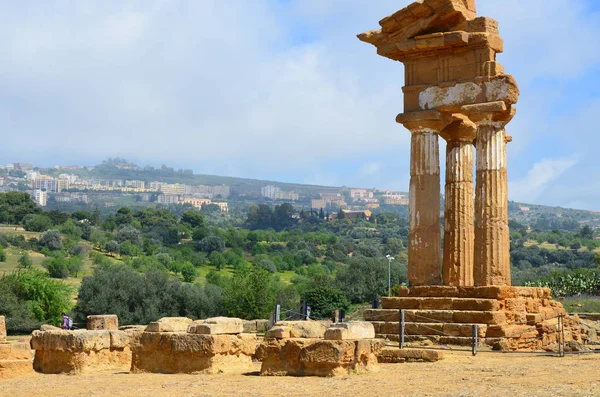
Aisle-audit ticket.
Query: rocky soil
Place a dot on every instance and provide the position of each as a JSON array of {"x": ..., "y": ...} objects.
[{"x": 459, "y": 374}]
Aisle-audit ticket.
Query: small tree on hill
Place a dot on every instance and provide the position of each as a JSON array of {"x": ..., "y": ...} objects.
[{"x": 25, "y": 261}]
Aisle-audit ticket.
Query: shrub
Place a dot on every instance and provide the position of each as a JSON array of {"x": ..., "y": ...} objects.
[
  {"x": 51, "y": 239},
  {"x": 142, "y": 298}
]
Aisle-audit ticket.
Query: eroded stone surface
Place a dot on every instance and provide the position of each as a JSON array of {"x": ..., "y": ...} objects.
[
  {"x": 297, "y": 329},
  {"x": 170, "y": 324},
  {"x": 350, "y": 331},
  {"x": 218, "y": 326},
  {"x": 103, "y": 322},
  {"x": 81, "y": 351},
  {"x": 192, "y": 353},
  {"x": 317, "y": 357},
  {"x": 2, "y": 328}
]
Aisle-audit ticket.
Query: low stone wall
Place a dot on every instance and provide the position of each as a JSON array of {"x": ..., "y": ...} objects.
[
  {"x": 15, "y": 360},
  {"x": 304, "y": 348},
  {"x": 180, "y": 345},
  {"x": 81, "y": 351}
]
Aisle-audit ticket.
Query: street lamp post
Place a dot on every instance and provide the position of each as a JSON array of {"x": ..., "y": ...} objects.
[{"x": 390, "y": 259}]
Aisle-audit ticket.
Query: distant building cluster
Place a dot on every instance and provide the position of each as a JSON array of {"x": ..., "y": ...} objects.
[
  {"x": 275, "y": 193},
  {"x": 197, "y": 202},
  {"x": 72, "y": 185}
]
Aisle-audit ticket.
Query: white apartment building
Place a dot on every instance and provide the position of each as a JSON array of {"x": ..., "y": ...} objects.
[
  {"x": 40, "y": 197},
  {"x": 269, "y": 191},
  {"x": 359, "y": 194}
]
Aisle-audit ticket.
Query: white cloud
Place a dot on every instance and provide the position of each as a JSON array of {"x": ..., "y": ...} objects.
[
  {"x": 539, "y": 178},
  {"x": 372, "y": 168},
  {"x": 257, "y": 88}
]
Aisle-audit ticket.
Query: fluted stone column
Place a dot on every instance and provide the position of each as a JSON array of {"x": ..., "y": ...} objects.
[
  {"x": 492, "y": 240},
  {"x": 424, "y": 261},
  {"x": 459, "y": 229}
]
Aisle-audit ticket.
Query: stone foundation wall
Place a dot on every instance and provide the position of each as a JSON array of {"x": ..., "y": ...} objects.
[
  {"x": 179, "y": 352},
  {"x": 508, "y": 318},
  {"x": 315, "y": 357},
  {"x": 81, "y": 351},
  {"x": 313, "y": 348},
  {"x": 15, "y": 360}
]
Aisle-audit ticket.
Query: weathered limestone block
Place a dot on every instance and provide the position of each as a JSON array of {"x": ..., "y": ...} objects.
[
  {"x": 2, "y": 328},
  {"x": 15, "y": 351},
  {"x": 170, "y": 324},
  {"x": 316, "y": 357},
  {"x": 218, "y": 326},
  {"x": 103, "y": 322},
  {"x": 192, "y": 353},
  {"x": 81, "y": 351},
  {"x": 393, "y": 356},
  {"x": 297, "y": 329},
  {"x": 350, "y": 331},
  {"x": 256, "y": 326}
]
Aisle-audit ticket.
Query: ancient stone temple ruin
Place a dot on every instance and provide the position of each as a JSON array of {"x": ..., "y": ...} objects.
[{"x": 457, "y": 91}]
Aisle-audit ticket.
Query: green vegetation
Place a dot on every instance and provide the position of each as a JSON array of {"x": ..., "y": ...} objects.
[{"x": 146, "y": 263}]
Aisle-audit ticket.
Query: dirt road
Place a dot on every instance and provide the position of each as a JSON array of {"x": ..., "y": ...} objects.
[{"x": 459, "y": 374}]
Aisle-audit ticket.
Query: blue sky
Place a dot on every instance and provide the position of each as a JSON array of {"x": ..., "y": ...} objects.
[{"x": 280, "y": 90}]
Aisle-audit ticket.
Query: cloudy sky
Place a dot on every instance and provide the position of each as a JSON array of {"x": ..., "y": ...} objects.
[{"x": 280, "y": 90}]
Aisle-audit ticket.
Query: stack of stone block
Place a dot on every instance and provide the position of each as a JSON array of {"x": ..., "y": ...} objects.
[
  {"x": 513, "y": 318},
  {"x": 307, "y": 348},
  {"x": 15, "y": 357},
  {"x": 105, "y": 348},
  {"x": 180, "y": 345}
]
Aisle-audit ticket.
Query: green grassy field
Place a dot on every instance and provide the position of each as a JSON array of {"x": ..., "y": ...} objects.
[{"x": 582, "y": 304}]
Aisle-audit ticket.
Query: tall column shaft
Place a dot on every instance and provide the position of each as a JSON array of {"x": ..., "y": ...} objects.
[
  {"x": 424, "y": 264},
  {"x": 492, "y": 239},
  {"x": 459, "y": 230}
]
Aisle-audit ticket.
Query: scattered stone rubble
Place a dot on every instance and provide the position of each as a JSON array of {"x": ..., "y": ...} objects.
[{"x": 307, "y": 348}]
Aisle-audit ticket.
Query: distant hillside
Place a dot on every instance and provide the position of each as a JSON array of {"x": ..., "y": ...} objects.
[
  {"x": 121, "y": 169},
  {"x": 535, "y": 216}
]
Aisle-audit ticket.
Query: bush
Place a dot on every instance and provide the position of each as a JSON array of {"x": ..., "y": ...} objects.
[
  {"x": 142, "y": 298},
  {"x": 36, "y": 223},
  {"x": 189, "y": 272},
  {"x": 58, "y": 267},
  {"x": 323, "y": 299},
  {"x": 211, "y": 243},
  {"x": 29, "y": 298},
  {"x": 250, "y": 294},
  {"x": 51, "y": 239},
  {"x": 2, "y": 254}
]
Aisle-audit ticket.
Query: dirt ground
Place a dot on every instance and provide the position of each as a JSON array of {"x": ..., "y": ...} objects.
[{"x": 459, "y": 374}]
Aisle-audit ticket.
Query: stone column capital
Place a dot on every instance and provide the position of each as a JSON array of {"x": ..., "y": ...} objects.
[
  {"x": 461, "y": 129},
  {"x": 424, "y": 121},
  {"x": 496, "y": 114}
]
